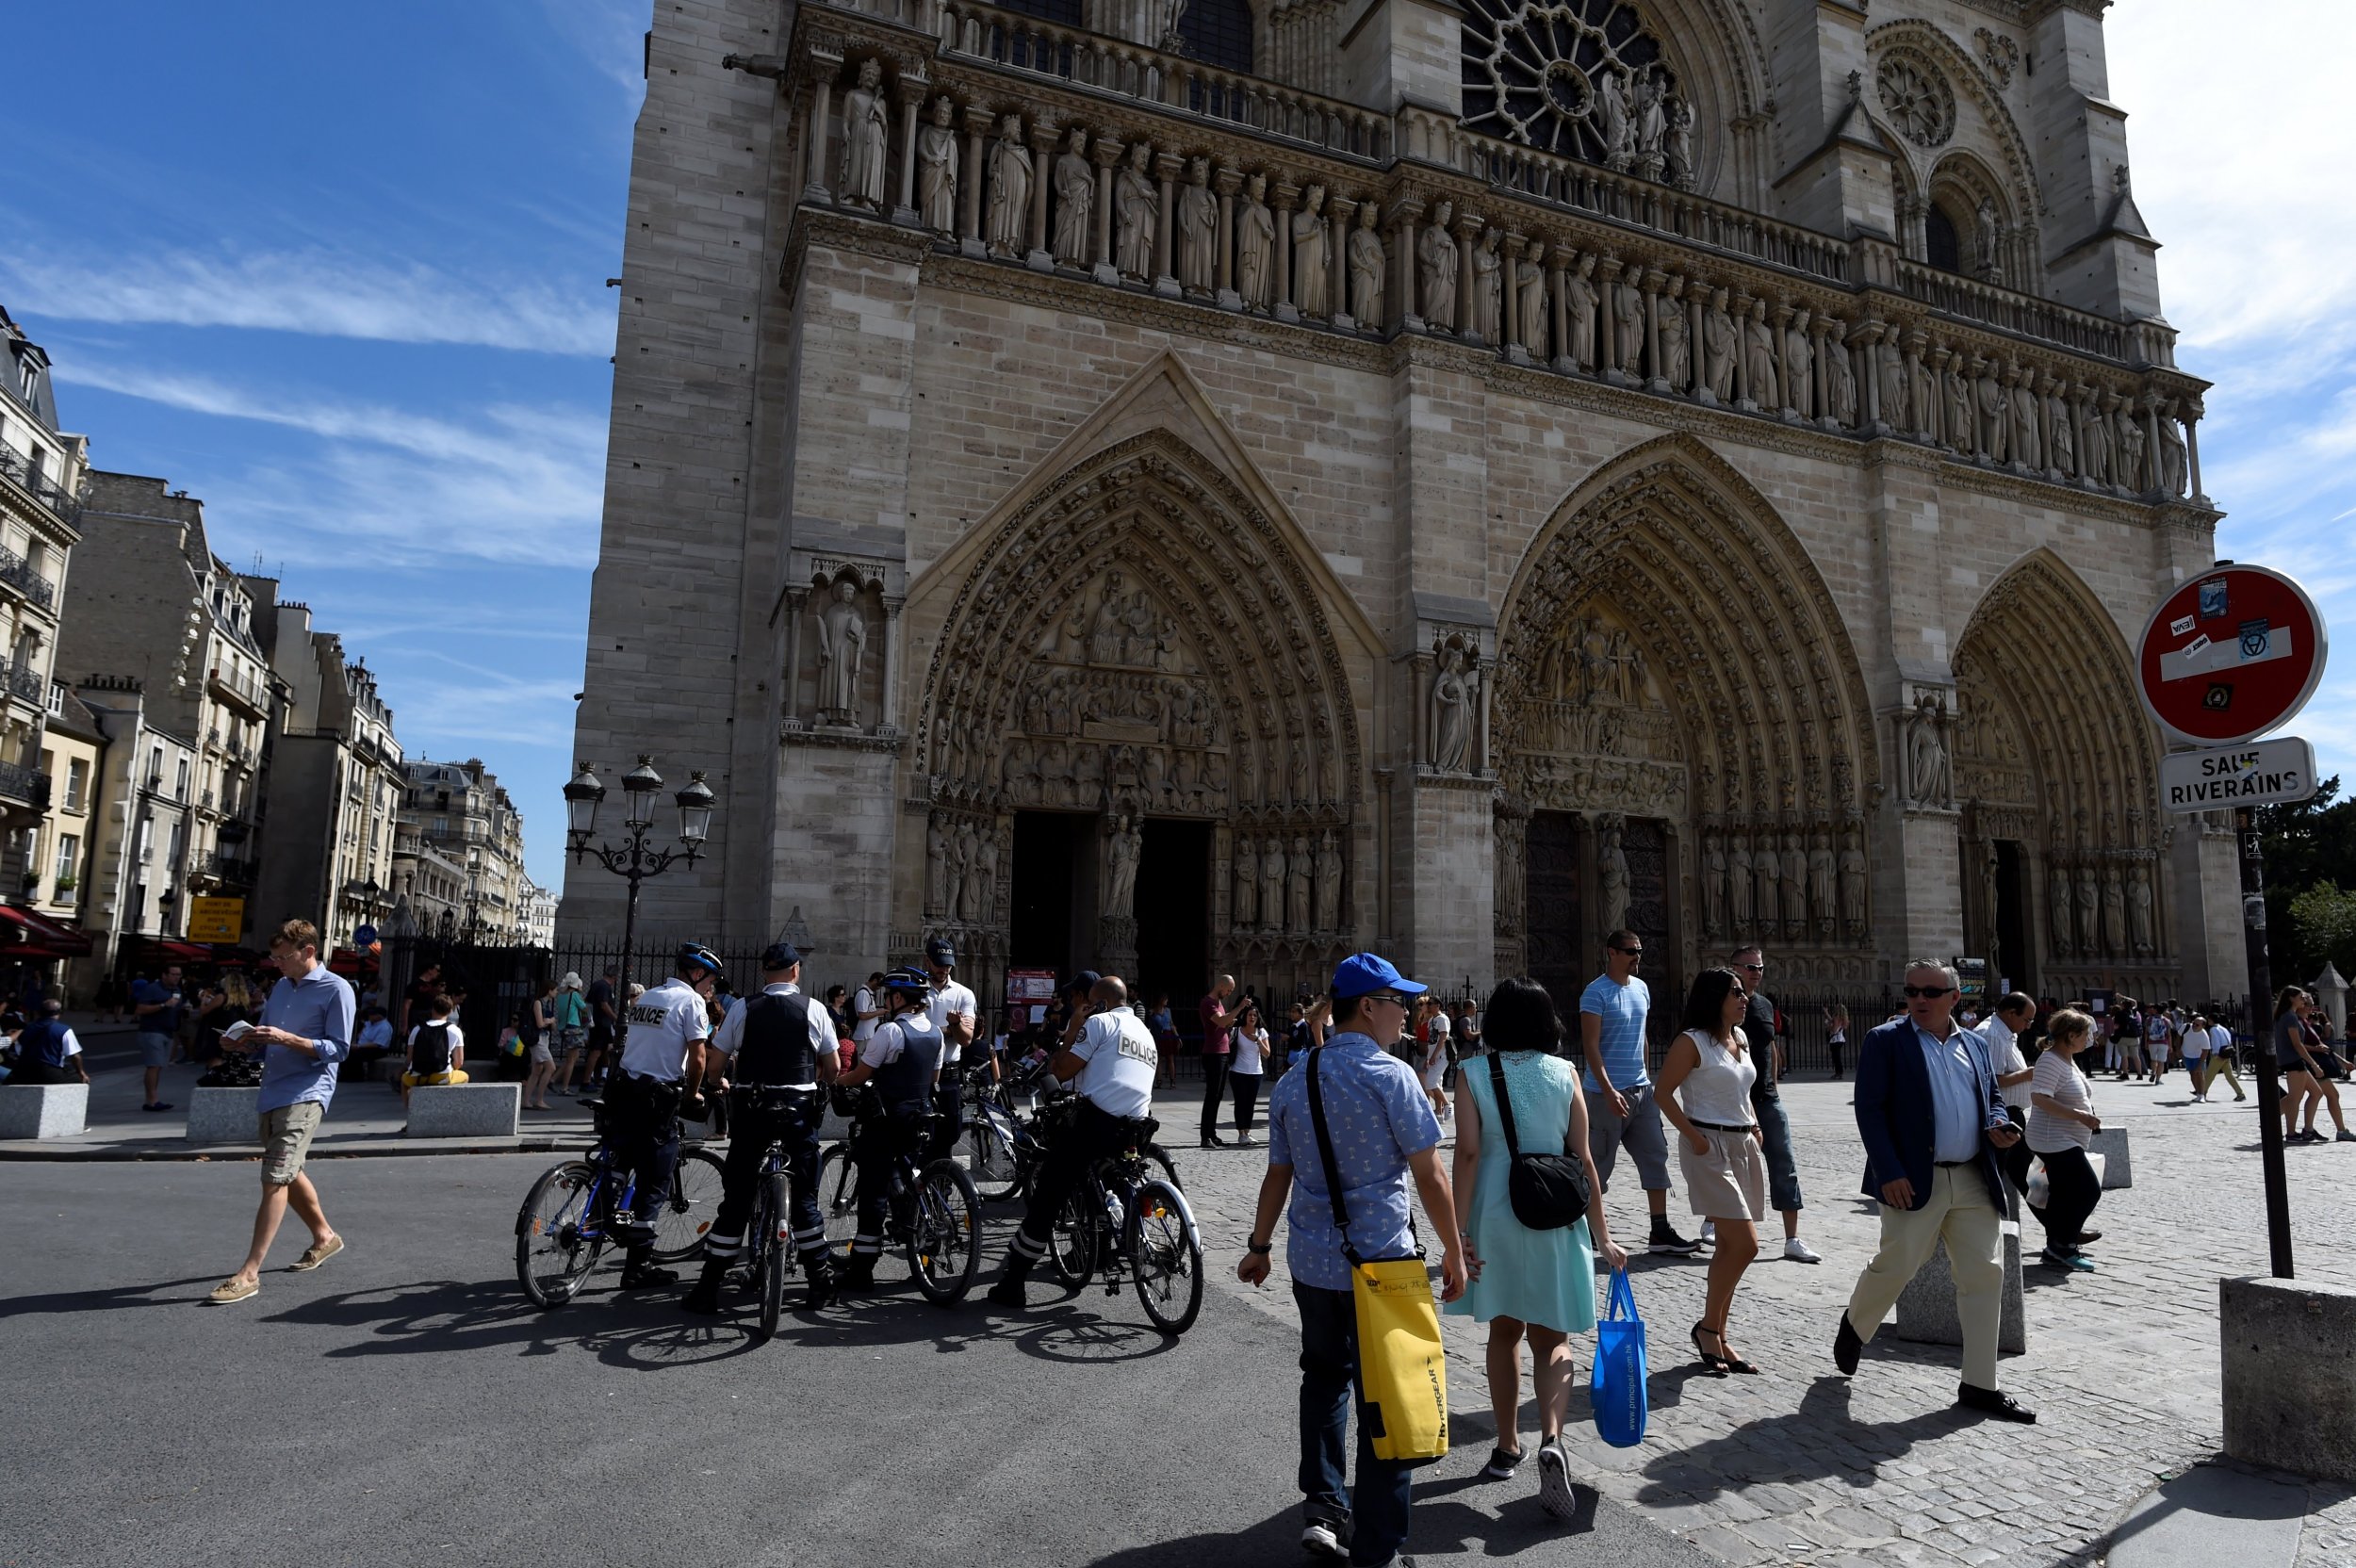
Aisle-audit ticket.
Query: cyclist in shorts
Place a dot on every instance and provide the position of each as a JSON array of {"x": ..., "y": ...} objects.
[{"x": 901, "y": 1058}]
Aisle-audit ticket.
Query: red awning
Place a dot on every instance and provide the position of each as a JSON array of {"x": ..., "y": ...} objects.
[
  {"x": 30, "y": 933},
  {"x": 345, "y": 960},
  {"x": 194, "y": 953}
]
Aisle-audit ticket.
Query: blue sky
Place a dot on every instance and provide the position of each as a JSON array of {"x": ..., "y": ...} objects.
[{"x": 339, "y": 270}]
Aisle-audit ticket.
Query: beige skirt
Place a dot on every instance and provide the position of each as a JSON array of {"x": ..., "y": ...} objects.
[{"x": 1730, "y": 1182}]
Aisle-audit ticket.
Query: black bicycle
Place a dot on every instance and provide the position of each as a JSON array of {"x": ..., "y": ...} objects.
[
  {"x": 935, "y": 1216},
  {"x": 568, "y": 1217},
  {"x": 1127, "y": 1216},
  {"x": 1002, "y": 1148}
]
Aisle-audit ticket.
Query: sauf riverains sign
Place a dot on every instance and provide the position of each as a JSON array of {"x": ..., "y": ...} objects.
[{"x": 2268, "y": 773}]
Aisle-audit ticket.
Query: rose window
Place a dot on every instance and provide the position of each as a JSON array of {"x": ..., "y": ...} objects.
[
  {"x": 1916, "y": 98},
  {"x": 1578, "y": 77}
]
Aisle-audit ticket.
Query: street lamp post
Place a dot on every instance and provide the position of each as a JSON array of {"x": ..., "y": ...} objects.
[{"x": 634, "y": 857}]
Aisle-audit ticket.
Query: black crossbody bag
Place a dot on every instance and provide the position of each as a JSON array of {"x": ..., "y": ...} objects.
[{"x": 1548, "y": 1191}]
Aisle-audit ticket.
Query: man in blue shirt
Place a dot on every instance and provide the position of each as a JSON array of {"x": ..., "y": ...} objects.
[
  {"x": 1384, "y": 1132},
  {"x": 305, "y": 1031},
  {"x": 1620, "y": 1107},
  {"x": 155, "y": 1009}
]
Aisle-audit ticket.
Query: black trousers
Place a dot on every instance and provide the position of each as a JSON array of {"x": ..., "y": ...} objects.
[
  {"x": 949, "y": 1103},
  {"x": 758, "y": 1117},
  {"x": 1246, "y": 1087},
  {"x": 1093, "y": 1136},
  {"x": 2016, "y": 1160},
  {"x": 876, "y": 1145},
  {"x": 2076, "y": 1192},
  {"x": 1213, "y": 1082},
  {"x": 642, "y": 1120}
]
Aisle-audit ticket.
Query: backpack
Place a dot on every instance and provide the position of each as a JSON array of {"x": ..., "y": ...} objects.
[{"x": 429, "y": 1053}]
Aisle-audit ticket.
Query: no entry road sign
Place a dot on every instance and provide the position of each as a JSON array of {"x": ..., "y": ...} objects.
[
  {"x": 2279, "y": 772},
  {"x": 2231, "y": 655}
]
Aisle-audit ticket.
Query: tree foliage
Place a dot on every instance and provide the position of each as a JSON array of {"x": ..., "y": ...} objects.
[{"x": 2310, "y": 858}]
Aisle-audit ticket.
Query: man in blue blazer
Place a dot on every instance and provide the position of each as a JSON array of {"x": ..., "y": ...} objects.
[{"x": 1928, "y": 1110}]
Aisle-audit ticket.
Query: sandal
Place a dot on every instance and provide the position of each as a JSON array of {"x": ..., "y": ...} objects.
[{"x": 1715, "y": 1364}]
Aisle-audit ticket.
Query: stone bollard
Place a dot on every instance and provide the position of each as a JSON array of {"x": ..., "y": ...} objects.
[
  {"x": 225, "y": 1116},
  {"x": 2332, "y": 993},
  {"x": 1926, "y": 1308},
  {"x": 465, "y": 1111},
  {"x": 2111, "y": 1143},
  {"x": 2289, "y": 1367},
  {"x": 44, "y": 1110}
]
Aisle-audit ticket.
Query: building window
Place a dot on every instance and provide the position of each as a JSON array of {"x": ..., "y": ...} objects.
[
  {"x": 69, "y": 860},
  {"x": 184, "y": 777},
  {"x": 57, "y": 697},
  {"x": 1942, "y": 247},
  {"x": 146, "y": 853},
  {"x": 1581, "y": 78},
  {"x": 155, "y": 768},
  {"x": 76, "y": 781},
  {"x": 1218, "y": 32}
]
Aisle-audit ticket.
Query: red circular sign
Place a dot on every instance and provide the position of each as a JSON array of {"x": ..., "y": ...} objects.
[{"x": 2230, "y": 655}]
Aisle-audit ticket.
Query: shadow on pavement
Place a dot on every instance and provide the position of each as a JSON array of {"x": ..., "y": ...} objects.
[
  {"x": 113, "y": 1296},
  {"x": 1818, "y": 1441},
  {"x": 1442, "y": 1527}
]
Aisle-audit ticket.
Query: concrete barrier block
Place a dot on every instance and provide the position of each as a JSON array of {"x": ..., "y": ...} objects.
[
  {"x": 224, "y": 1116},
  {"x": 44, "y": 1110},
  {"x": 465, "y": 1111},
  {"x": 2289, "y": 1367},
  {"x": 1926, "y": 1309},
  {"x": 2111, "y": 1143}
]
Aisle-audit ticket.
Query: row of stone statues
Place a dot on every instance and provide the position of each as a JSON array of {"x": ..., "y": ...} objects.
[
  {"x": 962, "y": 857},
  {"x": 2103, "y": 907},
  {"x": 1288, "y": 884},
  {"x": 1084, "y": 776},
  {"x": 1766, "y": 882}
]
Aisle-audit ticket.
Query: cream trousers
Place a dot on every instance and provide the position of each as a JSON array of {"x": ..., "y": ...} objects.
[{"x": 1962, "y": 1212}]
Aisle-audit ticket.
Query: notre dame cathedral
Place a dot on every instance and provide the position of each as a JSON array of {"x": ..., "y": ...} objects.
[{"x": 1181, "y": 485}]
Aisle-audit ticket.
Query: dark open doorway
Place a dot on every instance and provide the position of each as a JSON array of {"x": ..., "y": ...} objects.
[
  {"x": 1054, "y": 869},
  {"x": 1173, "y": 911},
  {"x": 2014, "y": 960}
]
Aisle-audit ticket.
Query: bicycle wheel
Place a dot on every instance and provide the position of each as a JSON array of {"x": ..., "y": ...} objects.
[
  {"x": 1071, "y": 1248},
  {"x": 990, "y": 1159},
  {"x": 553, "y": 1256},
  {"x": 944, "y": 1234},
  {"x": 769, "y": 1255},
  {"x": 1165, "y": 1257},
  {"x": 679, "y": 1223},
  {"x": 838, "y": 1198},
  {"x": 1160, "y": 1158}
]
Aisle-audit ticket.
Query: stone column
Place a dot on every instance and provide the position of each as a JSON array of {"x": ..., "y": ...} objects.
[
  {"x": 1607, "y": 330},
  {"x": 1652, "y": 282},
  {"x": 888, "y": 721},
  {"x": 1509, "y": 301},
  {"x": 820, "y": 129},
  {"x": 1935, "y": 418},
  {"x": 1280, "y": 205},
  {"x": 911, "y": 91},
  {"x": 1042, "y": 175},
  {"x": 977, "y": 122},
  {"x": 1467, "y": 229},
  {"x": 2192, "y": 412},
  {"x": 1227, "y": 182},
  {"x": 1339, "y": 213},
  {"x": 1559, "y": 259},
  {"x": 1869, "y": 337},
  {"x": 1696, "y": 291},
  {"x": 1106, "y": 154},
  {"x": 791, "y": 707},
  {"x": 1912, "y": 346},
  {"x": 1167, "y": 165},
  {"x": 1404, "y": 270},
  {"x": 2152, "y": 449}
]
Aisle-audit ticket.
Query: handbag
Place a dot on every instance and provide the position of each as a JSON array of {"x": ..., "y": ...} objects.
[
  {"x": 1402, "y": 1371},
  {"x": 1619, "y": 1389},
  {"x": 1546, "y": 1191}
]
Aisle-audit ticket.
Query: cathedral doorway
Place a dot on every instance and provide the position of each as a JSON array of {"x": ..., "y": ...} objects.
[
  {"x": 2014, "y": 960},
  {"x": 1054, "y": 880},
  {"x": 1557, "y": 955},
  {"x": 1173, "y": 907}
]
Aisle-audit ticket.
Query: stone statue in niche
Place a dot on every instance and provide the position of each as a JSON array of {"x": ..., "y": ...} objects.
[
  {"x": 1312, "y": 274},
  {"x": 1719, "y": 343},
  {"x": 1167, "y": 36},
  {"x": 1075, "y": 201},
  {"x": 1368, "y": 267},
  {"x": 1628, "y": 316},
  {"x": 1799, "y": 361},
  {"x": 1652, "y": 122},
  {"x": 1488, "y": 299},
  {"x": 1758, "y": 357},
  {"x": 1840, "y": 379},
  {"x": 936, "y": 867},
  {"x": 1273, "y": 882},
  {"x": 2026, "y": 445},
  {"x": 2139, "y": 909},
  {"x": 1009, "y": 191},
  {"x": 1619, "y": 122},
  {"x": 1794, "y": 886},
  {"x": 1197, "y": 230},
  {"x": 969, "y": 873},
  {"x": 1895, "y": 404},
  {"x": 937, "y": 171},
  {"x": 1255, "y": 246},
  {"x": 1530, "y": 282},
  {"x": 1122, "y": 846},
  {"x": 1995, "y": 427},
  {"x": 1680, "y": 144},
  {"x": 866, "y": 133},
  {"x": 1135, "y": 208},
  {"x": 1985, "y": 255},
  {"x": 1929, "y": 778},
  {"x": 1956, "y": 394},
  {"x": 2131, "y": 445},
  {"x": 1677, "y": 344},
  {"x": 1770, "y": 868},
  {"x": 2097, "y": 431},
  {"x": 841, "y": 642},
  {"x": 1740, "y": 890},
  {"x": 1853, "y": 885},
  {"x": 1824, "y": 882},
  {"x": 1435, "y": 255},
  {"x": 1612, "y": 873},
  {"x": 1453, "y": 696},
  {"x": 2174, "y": 468},
  {"x": 2113, "y": 912},
  {"x": 1511, "y": 887},
  {"x": 2090, "y": 913},
  {"x": 2061, "y": 446},
  {"x": 1329, "y": 881},
  {"x": 1579, "y": 301},
  {"x": 2057, "y": 887},
  {"x": 1302, "y": 876},
  {"x": 1714, "y": 884},
  {"x": 1246, "y": 910}
]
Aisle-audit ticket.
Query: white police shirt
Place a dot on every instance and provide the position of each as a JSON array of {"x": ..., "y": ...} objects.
[
  {"x": 1118, "y": 1052},
  {"x": 951, "y": 998},
  {"x": 663, "y": 1025}
]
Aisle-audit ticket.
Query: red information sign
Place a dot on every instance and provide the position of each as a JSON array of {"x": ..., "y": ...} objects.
[{"x": 2230, "y": 655}]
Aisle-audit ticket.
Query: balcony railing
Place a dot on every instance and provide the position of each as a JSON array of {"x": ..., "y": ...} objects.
[
  {"x": 224, "y": 868},
  {"x": 2006, "y": 310},
  {"x": 18, "y": 573},
  {"x": 28, "y": 684},
  {"x": 27, "y": 785},
  {"x": 18, "y": 469},
  {"x": 233, "y": 831}
]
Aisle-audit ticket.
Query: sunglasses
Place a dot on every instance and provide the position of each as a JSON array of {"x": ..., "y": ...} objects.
[
  {"x": 1629, "y": 952},
  {"x": 1928, "y": 990},
  {"x": 1754, "y": 968}
]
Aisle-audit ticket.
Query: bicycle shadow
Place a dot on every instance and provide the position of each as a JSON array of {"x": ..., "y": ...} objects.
[{"x": 630, "y": 1333}]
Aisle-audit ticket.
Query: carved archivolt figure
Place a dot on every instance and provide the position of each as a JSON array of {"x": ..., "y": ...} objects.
[
  {"x": 1715, "y": 885},
  {"x": 1770, "y": 884},
  {"x": 1488, "y": 293},
  {"x": 1009, "y": 191},
  {"x": 1255, "y": 246},
  {"x": 866, "y": 133},
  {"x": 1853, "y": 887},
  {"x": 1451, "y": 713},
  {"x": 842, "y": 640},
  {"x": 2139, "y": 907},
  {"x": 1313, "y": 275},
  {"x": 1368, "y": 268},
  {"x": 968, "y": 866},
  {"x": 1719, "y": 343},
  {"x": 1435, "y": 254},
  {"x": 1579, "y": 301},
  {"x": 1135, "y": 207},
  {"x": 1075, "y": 201},
  {"x": 937, "y": 171},
  {"x": 2058, "y": 886},
  {"x": 1740, "y": 888},
  {"x": 1198, "y": 229},
  {"x": 1824, "y": 880},
  {"x": 936, "y": 867}
]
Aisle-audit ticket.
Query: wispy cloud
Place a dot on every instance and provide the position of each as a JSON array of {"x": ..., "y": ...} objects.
[
  {"x": 479, "y": 708},
  {"x": 314, "y": 291},
  {"x": 521, "y": 484},
  {"x": 610, "y": 33}
]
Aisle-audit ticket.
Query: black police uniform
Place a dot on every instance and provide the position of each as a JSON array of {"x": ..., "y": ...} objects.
[
  {"x": 774, "y": 1098},
  {"x": 904, "y": 1097}
]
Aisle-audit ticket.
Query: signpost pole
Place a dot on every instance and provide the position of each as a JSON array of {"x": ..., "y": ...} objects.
[{"x": 2253, "y": 907}]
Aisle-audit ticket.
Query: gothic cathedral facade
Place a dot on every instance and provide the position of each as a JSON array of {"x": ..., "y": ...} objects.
[{"x": 1181, "y": 485}]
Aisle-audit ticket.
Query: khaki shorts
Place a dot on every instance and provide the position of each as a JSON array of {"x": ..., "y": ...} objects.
[
  {"x": 286, "y": 1138},
  {"x": 1730, "y": 1182}
]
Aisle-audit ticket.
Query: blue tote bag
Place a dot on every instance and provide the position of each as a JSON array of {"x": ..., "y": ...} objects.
[{"x": 1618, "y": 1392}]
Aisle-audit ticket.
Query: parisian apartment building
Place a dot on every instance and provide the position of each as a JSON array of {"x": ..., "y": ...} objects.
[{"x": 460, "y": 858}]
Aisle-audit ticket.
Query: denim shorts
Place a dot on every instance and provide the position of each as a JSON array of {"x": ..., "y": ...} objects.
[{"x": 155, "y": 1050}]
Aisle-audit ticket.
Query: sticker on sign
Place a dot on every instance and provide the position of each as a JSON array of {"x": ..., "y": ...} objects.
[{"x": 2271, "y": 772}]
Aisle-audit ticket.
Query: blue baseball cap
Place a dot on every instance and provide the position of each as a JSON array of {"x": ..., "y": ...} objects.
[
  {"x": 780, "y": 956},
  {"x": 942, "y": 952},
  {"x": 1362, "y": 972}
]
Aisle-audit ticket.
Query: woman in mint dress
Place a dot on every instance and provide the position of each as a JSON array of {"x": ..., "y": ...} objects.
[{"x": 1538, "y": 1286}]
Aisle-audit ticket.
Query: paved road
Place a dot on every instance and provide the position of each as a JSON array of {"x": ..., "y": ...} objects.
[{"x": 404, "y": 1406}]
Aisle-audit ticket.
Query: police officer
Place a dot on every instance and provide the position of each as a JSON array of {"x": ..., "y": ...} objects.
[
  {"x": 780, "y": 1049},
  {"x": 663, "y": 1062},
  {"x": 1112, "y": 1064},
  {"x": 953, "y": 1012},
  {"x": 901, "y": 1058}
]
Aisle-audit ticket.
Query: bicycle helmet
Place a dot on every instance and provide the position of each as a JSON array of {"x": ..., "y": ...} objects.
[
  {"x": 697, "y": 955},
  {"x": 908, "y": 978}
]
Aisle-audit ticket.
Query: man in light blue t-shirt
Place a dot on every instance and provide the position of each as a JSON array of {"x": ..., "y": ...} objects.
[{"x": 1620, "y": 1107}]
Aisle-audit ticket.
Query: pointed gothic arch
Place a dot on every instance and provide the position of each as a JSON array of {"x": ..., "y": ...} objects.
[
  {"x": 1669, "y": 650},
  {"x": 2055, "y": 756}
]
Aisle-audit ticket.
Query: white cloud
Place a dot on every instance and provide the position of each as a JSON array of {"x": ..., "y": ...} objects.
[
  {"x": 315, "y": 291},
  {"x": 519, "y": 484}
]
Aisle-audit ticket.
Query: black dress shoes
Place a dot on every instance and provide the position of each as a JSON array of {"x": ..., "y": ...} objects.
[
  {"x": 1987, "y": 1401},
  {"x": 1846, "y": 1348}
]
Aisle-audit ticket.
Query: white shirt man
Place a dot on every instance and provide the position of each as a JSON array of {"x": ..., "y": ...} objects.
[
  {"x": 867, "y": 1010},
  {"x": 663, "y": 1024},
  {"x": 1117, "y": 1056}
]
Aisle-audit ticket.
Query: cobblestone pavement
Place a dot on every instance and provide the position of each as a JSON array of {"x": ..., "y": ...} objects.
[{"x": 1801, "y": 1466}]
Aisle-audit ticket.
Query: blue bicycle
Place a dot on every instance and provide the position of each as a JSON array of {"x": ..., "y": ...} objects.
[{"x": 569, "y": 1217}]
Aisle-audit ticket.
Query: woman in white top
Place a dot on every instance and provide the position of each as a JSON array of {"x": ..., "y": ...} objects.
[
  {"x": 1435, "y": 1062},
  {"x": 1837, "y": 1035},
  {"x": 1247, "y": 1048},
  {"x": 1705, "y": 1091},
  {"x": 2062, "y": 1125}
]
